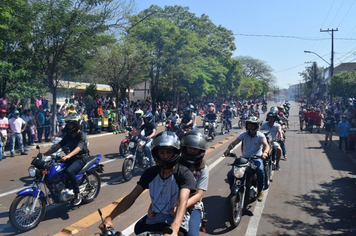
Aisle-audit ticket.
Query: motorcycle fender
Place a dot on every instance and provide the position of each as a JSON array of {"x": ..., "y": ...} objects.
[
  {"x": 125, "y": 141},
  {"x": 31, "y": 190},
  {"x": 235, "y": 189}
]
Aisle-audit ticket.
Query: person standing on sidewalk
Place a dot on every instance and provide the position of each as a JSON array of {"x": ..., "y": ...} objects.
[
  {"x": 330, "y": 127},
  {"x": 15, "y": 128},
  {"x": 4, "y": 125},
  {"x": 344, "y": 130},
  {"x": 40, "y": 119}
]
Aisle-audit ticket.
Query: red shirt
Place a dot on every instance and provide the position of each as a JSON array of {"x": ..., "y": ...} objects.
[
  {"x": 311, "y": 115},
  {"x": 318, "y": 119}
]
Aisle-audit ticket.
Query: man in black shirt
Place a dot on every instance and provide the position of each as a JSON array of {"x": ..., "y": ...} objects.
[
  {"x": 78, "y": 145},
  {"x": 212, "y": 117},
  {"x": 150, "y": 131},
  {"x": 330, "y": 127}
]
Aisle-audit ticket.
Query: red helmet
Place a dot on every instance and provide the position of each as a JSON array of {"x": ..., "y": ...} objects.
[{"x": 252, "y": 104}]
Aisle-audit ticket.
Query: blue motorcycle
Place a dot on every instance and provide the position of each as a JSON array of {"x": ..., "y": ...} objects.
[{"x": 29, "y": 207}]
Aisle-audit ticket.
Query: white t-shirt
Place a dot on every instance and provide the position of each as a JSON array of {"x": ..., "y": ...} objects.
[
  {"x": 4, "y": 125},
  {"x": 16, "y": 124},
  {"x": 173, "y": 117},
  {"x": 252, "y": 145},
  {"x": 273, "y": 130}
]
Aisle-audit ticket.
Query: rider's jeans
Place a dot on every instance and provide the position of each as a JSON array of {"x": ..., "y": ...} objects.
[
  {"x": 229, "y": 122},
  {"x": 194, "y": 222},
  {"x": 284, "y": 150},
  {"x": 148, "y": 151},
  {"x": 72, "y": 170}
]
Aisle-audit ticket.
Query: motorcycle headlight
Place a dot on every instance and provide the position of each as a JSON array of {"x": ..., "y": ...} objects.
[
  {"x": 131, "y": 145},
  {"x": 239, "y": 172},
  {"x": 32, "y": 171},
  {"x": 206, "y": 123}
]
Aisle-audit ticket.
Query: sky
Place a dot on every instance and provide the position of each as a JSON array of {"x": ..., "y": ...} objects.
[{"x": 278, "y": 32}]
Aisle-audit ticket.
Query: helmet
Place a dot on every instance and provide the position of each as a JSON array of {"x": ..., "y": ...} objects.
[
  {"x": 147, "y": 115},
  {"x": 191, "y": 107},
  {"x": 271, "y": 115},
  {"x": 252, "y": 120},
  {"x": 75, "y": 119},
  {"x": 139, "y": 113},
  {"x": 166, "y": 140},
  {"x": 274, "y": 110},
  {"x": 227, "y": 107},
  {"x": 194, "y": 139},
  {"x": 174, "y": 109},
  {"x": 186, "y": 111},
  {"x": 252, "y": 104}
]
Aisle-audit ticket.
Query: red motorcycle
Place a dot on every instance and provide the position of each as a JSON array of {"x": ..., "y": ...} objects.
[{"x": 129, "y": 138}]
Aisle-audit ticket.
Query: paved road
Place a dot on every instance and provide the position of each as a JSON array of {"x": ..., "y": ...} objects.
[{"x": 313, "y": 193}]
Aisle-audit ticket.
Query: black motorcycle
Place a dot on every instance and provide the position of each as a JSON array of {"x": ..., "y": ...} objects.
[
  {"x": 225, "y": 126},
  {"x": 244, "y": 187},
  {"x": 209, "y": 129}
]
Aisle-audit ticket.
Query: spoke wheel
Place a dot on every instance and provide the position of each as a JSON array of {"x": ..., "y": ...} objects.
[
  {"x": 92, "y": 187},
  {"x": 20, "y": 216},
  {"x": 127, "y": 169},
  {"x": 235, "y": 209}
]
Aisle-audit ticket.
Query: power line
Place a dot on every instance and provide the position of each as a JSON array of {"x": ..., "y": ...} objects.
[{"x": 291, "y": 37}]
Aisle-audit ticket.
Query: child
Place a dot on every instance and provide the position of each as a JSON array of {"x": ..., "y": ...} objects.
[{"x": 33, "y": 130}]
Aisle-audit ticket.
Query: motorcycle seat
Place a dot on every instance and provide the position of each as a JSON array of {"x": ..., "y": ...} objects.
[{"x": 89, "y": 162}]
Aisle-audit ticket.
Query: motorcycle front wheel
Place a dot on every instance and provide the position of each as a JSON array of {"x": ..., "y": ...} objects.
[
  {"x": 127, "y": 169},
  {"x": 123, "y": 149},
  {"x": 240, "y": 124},
  {"x": 92, "y": 187},
  {"x": 235, "y": 209},
  {"x": 20, "y": 216}
]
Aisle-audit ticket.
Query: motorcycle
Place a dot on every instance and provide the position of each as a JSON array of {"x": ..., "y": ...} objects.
[
  {"x": 264, "y": 108},
  {"x": 135, "y": 158},
  {"x": 209, "y": 128},
  {"x": 244, "y": 186},
  {"x": 225, "y": 126},
  {"x": 242, "y": 121},
  {"x": 124, "y": 145},
  {"x": 182, "y": 130},
  {"x": 28, "y": 208}
]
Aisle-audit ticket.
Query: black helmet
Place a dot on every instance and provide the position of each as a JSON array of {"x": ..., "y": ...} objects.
[
  {"x": 227, "y": 107},
  {"x": 186, "y": 111},
  {"x": 252, "y": 120},
  {"x": 194, "y": 139},
  {"x": 166, "y": 140},
  {"x": 75, "y": 119},
  {"x": 147, "y": 115}
]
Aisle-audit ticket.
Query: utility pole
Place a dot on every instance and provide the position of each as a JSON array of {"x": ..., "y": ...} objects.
[{"x": 332, "y": 54}]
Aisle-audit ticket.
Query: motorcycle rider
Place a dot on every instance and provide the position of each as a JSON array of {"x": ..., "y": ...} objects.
[
  {"x": 150, "y": 131},
  {"x": 254, "y": 143},
  {"x": 276, "y": 132},
  {"x": 78, "y": 145},
  {"x": 169, "y": 184},
  {"x": 174, "y": 117},
  {"x": 211, "y": 116},
  {"x": 193, "y": 147},
  {"x": 227, "y": 113},
  {"x": 251, "y": 110},
  {"x": 138, "y": 121},
  {"x": 244, "y": 110},
  {"x": 194, "y": 116},
  {"x": 187, "y": 121}
]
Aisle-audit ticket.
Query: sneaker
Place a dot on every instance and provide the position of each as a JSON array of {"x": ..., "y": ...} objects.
[
  {"x": 278, "y": 167},
  {"x": 24, "y": 153},
  {"x": 260, "y": 196},
  {"x": 12, "y": 155},
  {"x": 77, "y": 200}
]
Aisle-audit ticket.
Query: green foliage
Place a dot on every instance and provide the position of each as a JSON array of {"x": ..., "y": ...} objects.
[
  {"x": 91, "y": 90},
  {"x": 343, "y": 84}
]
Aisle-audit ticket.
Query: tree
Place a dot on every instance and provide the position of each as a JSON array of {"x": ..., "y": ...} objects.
[
  {"x": 255, "y": 68},
  {"x": 311, "y": 79},
  {"x": 343, "y": 84},
  {"x": 65, "y": 34}
]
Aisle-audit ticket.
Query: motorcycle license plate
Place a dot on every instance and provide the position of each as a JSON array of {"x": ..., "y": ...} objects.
[{"x": 131, "y": 145}]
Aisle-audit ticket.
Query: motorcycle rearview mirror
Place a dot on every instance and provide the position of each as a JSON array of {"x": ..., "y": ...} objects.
[{"x": 38, "y": 147}]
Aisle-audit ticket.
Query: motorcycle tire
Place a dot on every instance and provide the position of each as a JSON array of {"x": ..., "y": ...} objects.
[
  {"x": 268, "y": 173},
  {"x": 127, "y": 170},
  {"x": 124, "y": 150},
  {"x": 19, "y": 209},
  {"x": 235, "y": 209},
  {"x": 240, "y": 124},
  {"x": 222, "y": 130},
  {"x": 92, "y": 188}
]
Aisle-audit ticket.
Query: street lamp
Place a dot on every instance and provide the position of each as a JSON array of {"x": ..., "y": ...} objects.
[
  {"x": 330, "y": 64},
  {"x": 128, "y": 61}
]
